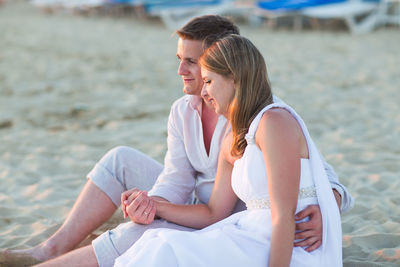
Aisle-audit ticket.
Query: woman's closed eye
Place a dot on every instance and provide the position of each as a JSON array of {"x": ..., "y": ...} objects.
[{"x": 191, "y": 61}]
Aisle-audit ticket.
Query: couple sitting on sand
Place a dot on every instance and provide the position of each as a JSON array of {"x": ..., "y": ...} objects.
[{"x": 274, "y": 202}]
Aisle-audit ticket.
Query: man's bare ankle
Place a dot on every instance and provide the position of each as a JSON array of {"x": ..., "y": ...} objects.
[
  {"x": 41, "y": 252},
  {"x": 49, "y": 250}
]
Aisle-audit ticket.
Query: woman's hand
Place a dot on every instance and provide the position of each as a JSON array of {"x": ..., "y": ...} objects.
[
  {"x": 138, "y": 206},
  {"x": 130, "y": 194}
]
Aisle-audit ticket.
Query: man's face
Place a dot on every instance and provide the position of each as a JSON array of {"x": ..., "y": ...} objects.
[{"x": 188, "y": 54}]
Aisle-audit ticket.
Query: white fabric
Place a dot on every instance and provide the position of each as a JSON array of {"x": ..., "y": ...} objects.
[
  {"x": 243, "y": 239},
  {"x": 113, "y": 243},
  {"x": 187, "y": 165},
  {"x": 123, "y": 168}
]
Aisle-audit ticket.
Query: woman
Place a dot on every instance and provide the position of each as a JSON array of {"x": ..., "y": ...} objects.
[{"x": 274, "y": 167}]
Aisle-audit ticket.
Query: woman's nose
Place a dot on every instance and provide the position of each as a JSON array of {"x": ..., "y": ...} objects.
[{"x": 204, "y": 92}]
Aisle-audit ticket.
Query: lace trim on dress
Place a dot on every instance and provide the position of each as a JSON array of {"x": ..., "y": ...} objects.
[{"x": 264, "y": 203}]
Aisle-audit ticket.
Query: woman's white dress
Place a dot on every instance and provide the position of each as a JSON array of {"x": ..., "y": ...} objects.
[{"x": 243, "y": 239}]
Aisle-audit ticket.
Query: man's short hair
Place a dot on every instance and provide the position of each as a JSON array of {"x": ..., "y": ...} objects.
[{"x": 201, "y": 28}]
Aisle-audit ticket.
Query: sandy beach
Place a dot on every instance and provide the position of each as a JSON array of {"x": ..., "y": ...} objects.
[{"x": 72, "y": 87}]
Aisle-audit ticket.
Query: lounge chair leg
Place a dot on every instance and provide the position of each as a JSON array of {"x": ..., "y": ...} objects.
[
  {"x": 298, "y": 24},
  {"x": 315, "y": 24},
  {"x": 271, "y": 23}
]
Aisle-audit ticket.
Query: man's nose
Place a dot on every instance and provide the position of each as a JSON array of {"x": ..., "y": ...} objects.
[{"x": 182, "y": 69}]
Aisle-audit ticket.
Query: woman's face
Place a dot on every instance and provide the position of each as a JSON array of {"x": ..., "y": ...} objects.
[{"x": 218, "y": 90}]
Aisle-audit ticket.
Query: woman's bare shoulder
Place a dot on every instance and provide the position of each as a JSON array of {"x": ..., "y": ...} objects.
[{"x": 277, "y": 121}]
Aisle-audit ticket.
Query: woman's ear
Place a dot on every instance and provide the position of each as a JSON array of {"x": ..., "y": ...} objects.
[{"x": 234, "y": 83}]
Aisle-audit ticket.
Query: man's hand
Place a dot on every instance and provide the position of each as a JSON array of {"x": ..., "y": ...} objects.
[
  {"x": 311, "y": 231},
  {"x": 338, "y": 198},
  {"x": 140, "y": 208}
]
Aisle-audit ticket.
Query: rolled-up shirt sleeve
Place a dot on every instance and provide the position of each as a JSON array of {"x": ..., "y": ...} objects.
[
  {"x": 347, "y": 202},
  {"x": 178, "y": 178}
]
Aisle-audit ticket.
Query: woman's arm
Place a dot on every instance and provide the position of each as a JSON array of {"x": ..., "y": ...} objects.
[
  {"x": 280, "y": 140},
  {"x": 220, "y": 205}
]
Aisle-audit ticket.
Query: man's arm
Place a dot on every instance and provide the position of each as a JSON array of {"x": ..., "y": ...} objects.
[
  {"x": 176, "y": 182},
  {"x": 345, "y": 200},
  {"x": 311, "y": 231},
  {"x": 178, "y": 178}
]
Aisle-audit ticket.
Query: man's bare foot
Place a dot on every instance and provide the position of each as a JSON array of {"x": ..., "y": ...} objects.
[
  {"x": 42, "y": 252},
  {"x": 39, "y": 253},
  {"x": 11, "y": 259}
]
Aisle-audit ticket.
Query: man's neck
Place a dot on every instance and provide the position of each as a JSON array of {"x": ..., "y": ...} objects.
[{"x": 209, "y": 121}]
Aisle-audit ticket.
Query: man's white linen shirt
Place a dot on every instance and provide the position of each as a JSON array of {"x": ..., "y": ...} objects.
[{"x": 188, "y": 168}]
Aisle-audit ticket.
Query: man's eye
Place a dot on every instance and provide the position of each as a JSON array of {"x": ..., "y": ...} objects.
[{"x": 207, "y": 81}]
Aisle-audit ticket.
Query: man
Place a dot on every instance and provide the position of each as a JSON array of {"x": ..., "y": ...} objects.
[{"x": 195, "y": 133}]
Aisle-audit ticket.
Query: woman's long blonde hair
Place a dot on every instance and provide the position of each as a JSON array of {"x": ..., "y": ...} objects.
[{"x": 235, "y": 56}]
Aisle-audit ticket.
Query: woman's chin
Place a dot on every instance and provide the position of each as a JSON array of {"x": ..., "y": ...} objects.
[{"x": 221, "y": 112}]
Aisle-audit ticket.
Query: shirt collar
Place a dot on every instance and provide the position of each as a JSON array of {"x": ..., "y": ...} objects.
[{"x": 195, "y": 102}]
